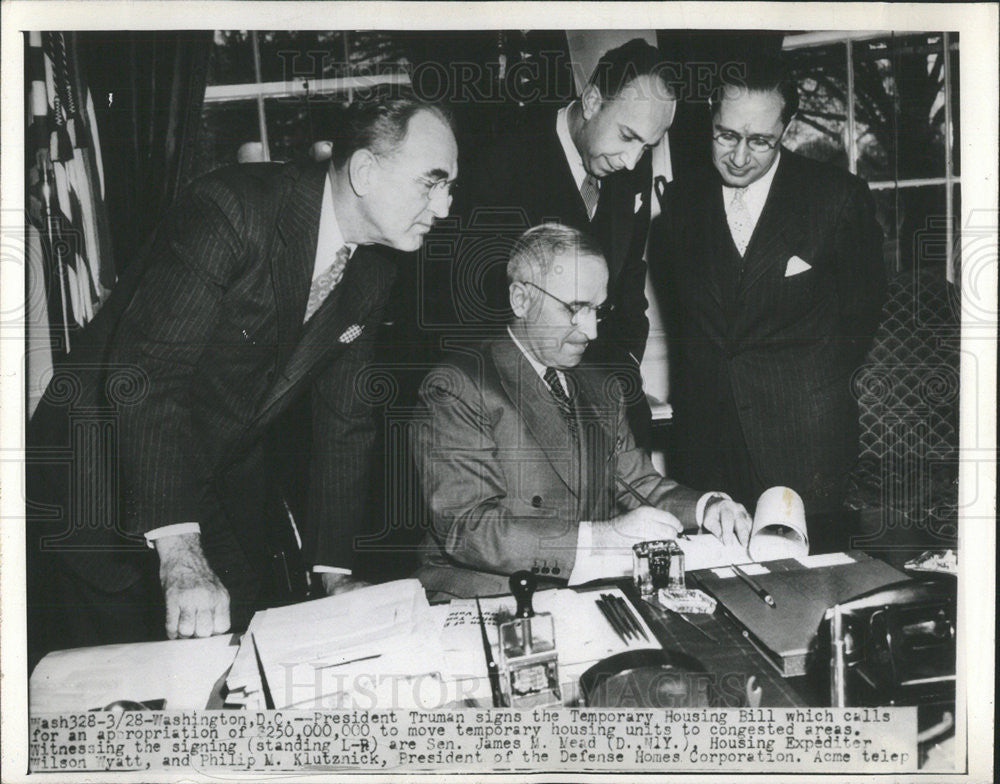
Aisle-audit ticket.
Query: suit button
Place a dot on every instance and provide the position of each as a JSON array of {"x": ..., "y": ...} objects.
[
  {"x": 536, "y": 501},
  {"x": 545, "y": 570},
  {"x": 556, "y": 570}
]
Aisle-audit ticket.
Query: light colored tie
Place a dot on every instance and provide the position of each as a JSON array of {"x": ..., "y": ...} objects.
[
  {"x": 740, "y": 222},
  {"x": 326, "y": 282},
  {"x": 591, "y": 192}
]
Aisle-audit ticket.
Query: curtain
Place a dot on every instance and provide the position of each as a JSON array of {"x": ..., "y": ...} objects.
[
  {"x": 111, "y": 122},
  {"x": 69, "y": 262}
]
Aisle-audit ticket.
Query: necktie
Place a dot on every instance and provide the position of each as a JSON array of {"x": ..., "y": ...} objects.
[
  {"x": 326, "y": 281},
  {"x": 562, "y": 399},
  {"x": 740, "y": 222},
  {"x": 590, "y": 191}
]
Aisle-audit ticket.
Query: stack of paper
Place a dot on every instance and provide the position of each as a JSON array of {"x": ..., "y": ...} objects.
[
  {"x": 374, "y": 648},
  {"x": 173, "y": 675}
]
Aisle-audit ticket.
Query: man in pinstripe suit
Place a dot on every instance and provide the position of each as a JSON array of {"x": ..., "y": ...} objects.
[
  {"x": 265, "y": 286},
  {"x": 777, "y": 282}
]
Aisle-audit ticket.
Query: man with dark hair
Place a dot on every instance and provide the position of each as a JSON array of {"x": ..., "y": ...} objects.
[
  {"x": 265, "y": 286},
  {"x": 523, "y": 445},
  {"x": 776, "y": 280},
  {"x": 586, "y": 165}
]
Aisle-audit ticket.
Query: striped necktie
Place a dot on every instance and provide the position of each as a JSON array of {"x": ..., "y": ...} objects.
[
  {"x": 562, "y": 400},
  {"x": 326, "y": 281},
  {"x": 590, "y": 191}
]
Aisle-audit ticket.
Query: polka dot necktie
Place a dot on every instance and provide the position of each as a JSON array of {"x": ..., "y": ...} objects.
[{"x": 740, "y": 222}]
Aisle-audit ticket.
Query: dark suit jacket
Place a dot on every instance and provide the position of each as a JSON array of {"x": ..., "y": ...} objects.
[
  {"x": 523, "y": 179},
  {"x": 506, "y": 486},
  {"x": 784, "y": 347},
  {"x": 213, "y": 347}
]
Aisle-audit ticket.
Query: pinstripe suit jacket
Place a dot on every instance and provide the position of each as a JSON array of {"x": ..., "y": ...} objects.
[
  {"x": 785, "y": 347},
  {"x": 506, "y": 486},
  {"x": 214, "y": 335}
]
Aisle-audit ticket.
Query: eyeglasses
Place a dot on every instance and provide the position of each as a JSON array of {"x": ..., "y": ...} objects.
[
  {"x": 577, "y": 310},
  {"x": 730, "y": 140},
  {"x": 429, "y": 188},
  {"x": 432, "y": 188}
]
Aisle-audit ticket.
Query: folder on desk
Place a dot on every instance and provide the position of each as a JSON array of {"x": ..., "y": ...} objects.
[{"x": 802, "y": 589}]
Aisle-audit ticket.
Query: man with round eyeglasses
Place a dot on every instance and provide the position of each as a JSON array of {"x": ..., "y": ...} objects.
[
  {"x": 521, "y": 443},
  {"x": 776, "y": 282}
]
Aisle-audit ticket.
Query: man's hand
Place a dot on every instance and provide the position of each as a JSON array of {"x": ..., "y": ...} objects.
[
  {"x": 641, "y": 524},
  {"x": 197, "y": 603},
  {"x": 726, "y": 519},
  {"x": 334, "y": 583}
]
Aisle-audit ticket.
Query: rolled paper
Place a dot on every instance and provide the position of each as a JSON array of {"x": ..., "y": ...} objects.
[{"x": 779, "y": 526}]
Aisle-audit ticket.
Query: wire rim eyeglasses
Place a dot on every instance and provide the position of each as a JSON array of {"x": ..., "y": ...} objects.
[{"x": 577, "y": 310}]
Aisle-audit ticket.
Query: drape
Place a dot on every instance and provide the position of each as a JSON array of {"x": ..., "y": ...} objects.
[{"x": 112, "y": 121}]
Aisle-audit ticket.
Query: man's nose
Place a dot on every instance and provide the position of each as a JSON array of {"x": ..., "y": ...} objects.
[
  {"x": 741, "y": 154},
  {"x": 586, "y": 322},
  {"x": 440, "y": 203},
  {"x": 631, "y": 157}
]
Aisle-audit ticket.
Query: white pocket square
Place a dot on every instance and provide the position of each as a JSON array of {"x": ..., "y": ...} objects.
[
  {"x": 796, "y": 266},
  {"x": 351, "y": 333},
  {"x": 638, "y": 202}
]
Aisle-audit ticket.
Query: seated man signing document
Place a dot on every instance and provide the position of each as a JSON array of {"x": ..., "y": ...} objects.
[{"x": 521, "y": 448}]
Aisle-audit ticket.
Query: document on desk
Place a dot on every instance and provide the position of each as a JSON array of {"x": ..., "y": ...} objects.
[
  {"x": 180, "y": 673},
  {"x": 375, "y": 646}
]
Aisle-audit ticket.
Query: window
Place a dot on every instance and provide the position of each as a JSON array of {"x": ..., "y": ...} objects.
[
  {"x": 885, "y": 106},
  {"x": 285, "y": 88}
]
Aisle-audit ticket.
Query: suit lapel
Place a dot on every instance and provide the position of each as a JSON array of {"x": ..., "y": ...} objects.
[
  {"x": 779, "y": 223},
  {"x": 721, "y": 275},
  {"x": 531, "y": 397},
  {"x": 294, "y": 254},
  {"x": 613, "y": 220},
  {"x": 567, "y": 194},
  {"x": 597, "y": 414},
  {"x": 365, "y": 280}
]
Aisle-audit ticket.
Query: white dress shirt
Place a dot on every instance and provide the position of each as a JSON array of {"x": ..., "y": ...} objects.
[
  {"x": 572, "y": 154},
  {"x": 330, "y": 239}
]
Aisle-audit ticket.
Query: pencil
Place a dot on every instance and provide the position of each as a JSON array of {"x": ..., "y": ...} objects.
[
  {"x": 754, "y": 586},
  {"x": 612, "y": 621},
  {"x": 615, "y": 610},
  {"x": 630, "y": 616}
]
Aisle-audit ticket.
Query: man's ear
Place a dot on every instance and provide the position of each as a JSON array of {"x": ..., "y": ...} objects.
[
  {"x": 360, "y": 170},
  {"x": 519, "y": 299},
  {"x": 590, "y": 101}
]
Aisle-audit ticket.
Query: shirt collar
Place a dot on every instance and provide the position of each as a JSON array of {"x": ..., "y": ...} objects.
[
  {"x": 331, "y": 238},
  {"x": 573, "y": 157},
  {"x": 755, "y": 194},
  {"x": 538, "y": 367}
]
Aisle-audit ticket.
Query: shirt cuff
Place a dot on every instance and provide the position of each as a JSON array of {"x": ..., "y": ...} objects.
[
  {"x": 699, "y": 510},
  {"x": 330, "y": 569},
  {"x": 171, "y": 530}
]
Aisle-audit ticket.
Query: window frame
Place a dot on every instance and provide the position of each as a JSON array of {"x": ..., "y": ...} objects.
[{"x": 950, "y": 179}]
